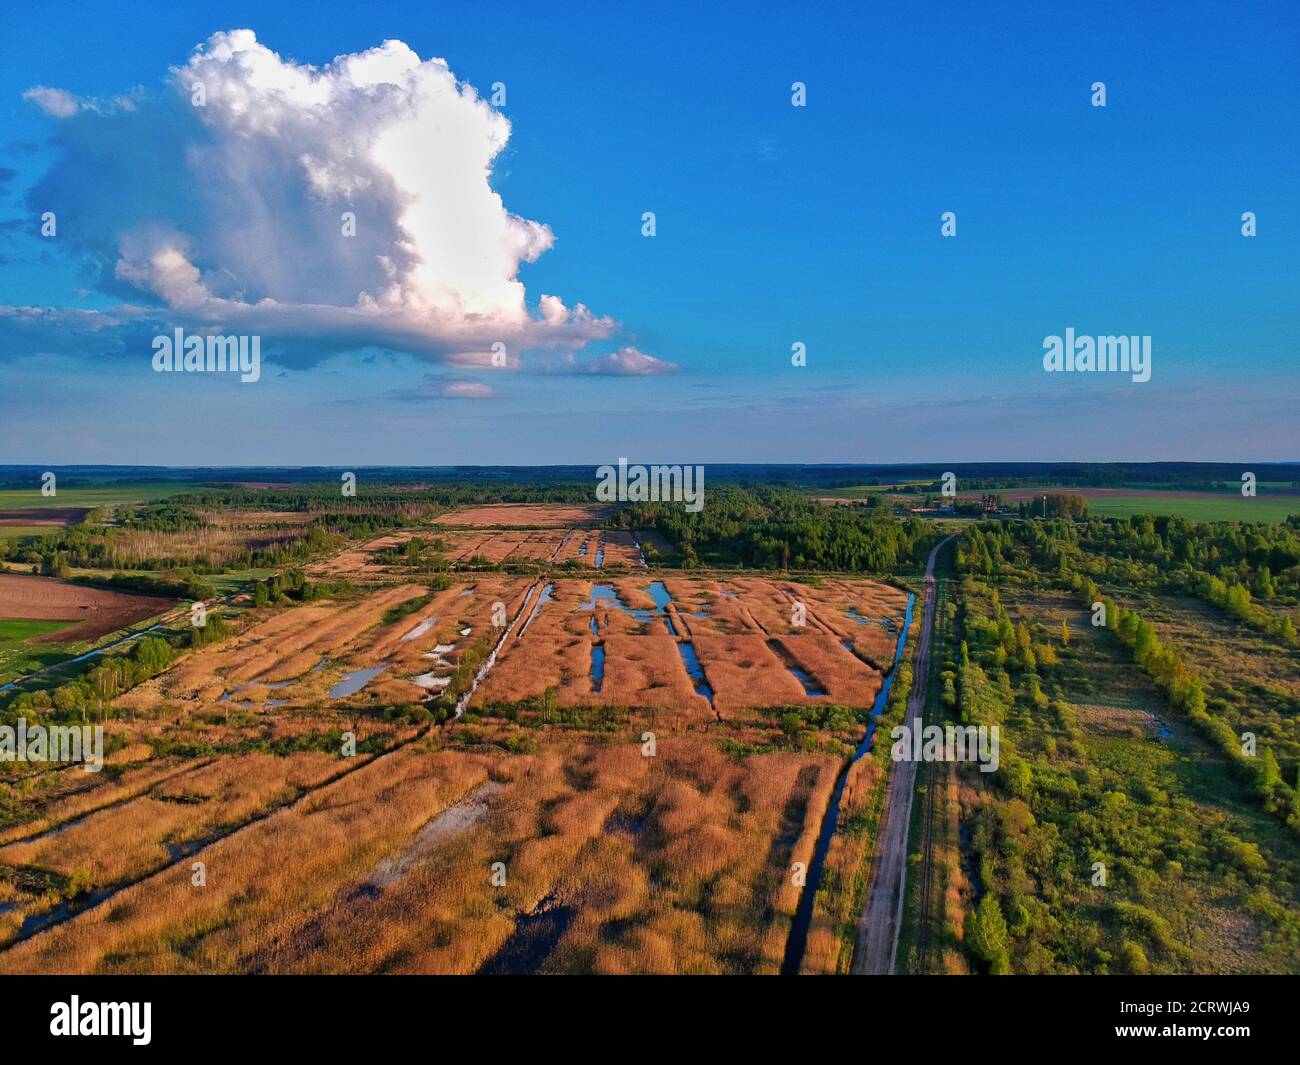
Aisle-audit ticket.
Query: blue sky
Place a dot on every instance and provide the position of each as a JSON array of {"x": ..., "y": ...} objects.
[{"x": 775, "y": 224}]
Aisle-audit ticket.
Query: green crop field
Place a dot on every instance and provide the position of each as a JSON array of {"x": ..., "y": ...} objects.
[
  {"x": 90, "y": 495},
  {"x": 1226, "y": 508},
  {"x": 18, "y": 658},
  {"x": 25, "y": 629},
  {"x": 1207, "y": 506},
  {"x": 861, "y": 491},
  {"x": 22, "y": 532}
]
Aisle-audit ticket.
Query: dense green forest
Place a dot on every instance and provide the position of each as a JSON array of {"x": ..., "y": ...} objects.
[
  {"x": 778, "y": 528},
  {"x": 385, "y": 496}
]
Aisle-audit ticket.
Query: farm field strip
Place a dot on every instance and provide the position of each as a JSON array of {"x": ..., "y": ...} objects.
[
  {"x": 123, "y": 873},
  {"x": 297, "y": 657},
  {"x": 692, "y": 645},
  {"x": 40, "y": 519},
  {"x": 525, "y": 515},
  {"x": 368, "y": 869},
  {"x": 164, "y": 830},
  {"x": 60, "y": 812},
  {"x": 467, "y": 546},
  {"x": 89, "y": 496},
  {"x": 94, "y": 611}
]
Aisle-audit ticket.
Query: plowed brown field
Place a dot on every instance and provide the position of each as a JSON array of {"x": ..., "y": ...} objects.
[
  {"x": 98, "y": 611},
  {"x": 530, "y": 515}
]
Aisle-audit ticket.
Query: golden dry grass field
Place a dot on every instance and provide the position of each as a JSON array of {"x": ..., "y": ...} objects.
[{"x": 291, "y": 798}]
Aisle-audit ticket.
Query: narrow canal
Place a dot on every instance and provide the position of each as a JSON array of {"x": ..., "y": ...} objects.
[{"x": 798, "y": 941}]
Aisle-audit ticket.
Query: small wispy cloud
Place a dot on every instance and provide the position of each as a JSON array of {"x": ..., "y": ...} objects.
[
  {"x": 626, "y": 362},
  {"x": 432, "y": 387},
  {"x": 57, "y": 103},
  {"x": 466, "y": 390}
]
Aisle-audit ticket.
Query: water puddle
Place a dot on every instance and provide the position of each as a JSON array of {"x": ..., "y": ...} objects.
[
  {"x": 451, "y": 822},
  {"x": 353, "y": 682},
  {"x": 692, "y": 662},
  {"x": 605, "y": 593},
  {"x": 436, "y": 656},
  {"x": 659, "y": 594},
  {"x": 810, "y": 687},
  {"x": 546, "y": 596},
  {"x": 556, "y": 553},
  {"x": 38, "y": 922},
  {"x": 432, "y": 683},
  {"x": 420, "y": 629},
  {"x": 535, "y": 936},
  {"x": 658, "y": 591},
  {"x": 177, "y": 851}
]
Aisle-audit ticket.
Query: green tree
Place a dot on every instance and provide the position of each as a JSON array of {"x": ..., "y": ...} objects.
[
  {"x": 986, "y": 935},
  {"x": 1268, "y": 775},
  {"x": 153, "y": 654},
  {"x": 1134, "y": 958},
  {"x": 65, "y": 698}
]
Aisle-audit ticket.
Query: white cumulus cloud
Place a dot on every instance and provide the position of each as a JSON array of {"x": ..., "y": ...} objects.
[{"x": 230, "y": 216}]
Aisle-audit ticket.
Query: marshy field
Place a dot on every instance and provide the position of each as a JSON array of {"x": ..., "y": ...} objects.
[
  {"x": 399, "y": 766},
  {"x": 425, "y": 730}
]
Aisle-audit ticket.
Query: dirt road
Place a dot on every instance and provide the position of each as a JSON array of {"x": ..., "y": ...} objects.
[{"x": 877, "y": 939}]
